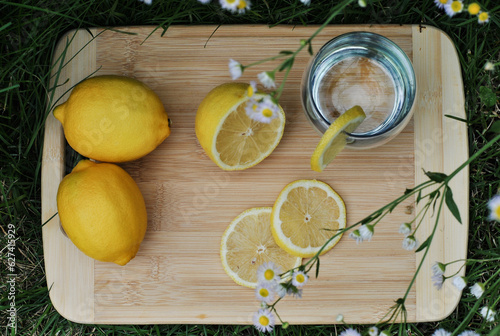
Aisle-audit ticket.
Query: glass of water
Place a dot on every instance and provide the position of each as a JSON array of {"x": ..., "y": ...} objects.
[{"x": 365, "y": 69}]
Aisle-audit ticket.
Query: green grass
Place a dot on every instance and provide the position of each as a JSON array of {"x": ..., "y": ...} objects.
[{"x": 29, "y": 30}]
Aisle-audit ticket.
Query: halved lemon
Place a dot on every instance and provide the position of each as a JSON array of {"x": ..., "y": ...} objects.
[
  {"x": 334, "y": 139},
  {"x": 229, "y": 137},
  {"x": 247, "y": 243},
  {"x": 305, "y": 215}
]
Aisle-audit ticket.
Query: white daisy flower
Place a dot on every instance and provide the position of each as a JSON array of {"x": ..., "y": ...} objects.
[
  {"x": 340, "y": 318},
  {"x": 494, "y": 205},
  {"x": 477, "y": 290},
  {"x": 267, "y": 79},
  {"x": 488, "y": 313},
  {"x": 147, "y": 2},
  {"x": 265, "y": 293},
  {"x": 438, "y": 268},
  {"x": 488, "y": 66},
  {"x": 230, "y": 5},
  {"x": 263, "y": 320},
  {"x": 252, "y": 89},
  {"x": 362, "y": 3},
  {"x": 410, "y": 243},
  {"x": 405, "y": 229},
  {"x": 453, "y": 7},
  {"x": 204, "y": 1},
  {"x": 306, "y": 2},
  {"x": 268, "y": 273},
  {"x": 235, "y": 69},
  {"x": 350, "y": 332},
  {"x": 373, "y": 331},
  {"x": 483, "y": 17},
  {"x": 356, "y": 235},
  {"x": 299, "y": 278},
  {"x": 295, "y": 292},
  {"x": 264, "y": 110},
  {"x": 243, "y": 6},
  {"x": 280, "y": 290},
  {"x": 441, "y": 332},
  {"x": 437, "y": 281},
  {"x": 385, "y": 333},
  {"x": 469, "y": 333},
  {"x": 366, "y": 232},
  {"x": 440, "y": 3},
  {"x": 459, "y": 282}
]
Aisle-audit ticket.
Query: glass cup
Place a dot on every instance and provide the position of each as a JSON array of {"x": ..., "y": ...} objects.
[{"x": 364, "y": 69}]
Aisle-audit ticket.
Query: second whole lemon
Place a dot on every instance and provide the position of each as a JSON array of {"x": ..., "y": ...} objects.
[
  {"x": 102, "y": 211},
  {"x": 113, "y": 119}
]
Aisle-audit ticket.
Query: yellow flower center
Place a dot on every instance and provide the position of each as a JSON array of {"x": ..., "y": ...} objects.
[
  {"x": 300, "y": 278},
  {"x": 497, "y": 212},
  {"x": 269, "y": 274},
  {"x": 264, "y": 321},
  {"x": 242, "y": 4},
  {"x": 264, "y": 292},
  {"x": 474, "y": 8},
  {"x": 456, "y": 6},
  {"x": 230, "y": 1},
  {"x": 268, "y": 113},
  {"x": 444, "y": 2},
  {"x": 483, "y": 17},
  {"x": 250, "y": 91}
]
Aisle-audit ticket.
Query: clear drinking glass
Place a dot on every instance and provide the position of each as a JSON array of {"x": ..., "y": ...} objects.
[{"x": 365, "y": 69}]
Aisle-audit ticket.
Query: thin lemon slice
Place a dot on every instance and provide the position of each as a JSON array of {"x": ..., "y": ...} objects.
[
  {"x": 229, "y": 137},
  {"x": 305, "y": 215},
  {"x": 334, "y": 139},
  {"x": 247, "y": 243}
]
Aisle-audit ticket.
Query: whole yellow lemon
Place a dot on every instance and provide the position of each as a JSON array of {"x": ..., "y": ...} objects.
[
  {"x": 102, "y": 211},
  {"x": 113, "y": 119}
]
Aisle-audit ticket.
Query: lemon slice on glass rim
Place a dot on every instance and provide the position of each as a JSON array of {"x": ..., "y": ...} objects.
[{"x": 334, "y": 139}]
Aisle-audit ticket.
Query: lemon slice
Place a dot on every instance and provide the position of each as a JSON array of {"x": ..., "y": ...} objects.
[
  {"x": 302, "y": 212},
  {"x": 247, "y": 243},
  {"x": 334, "y": 139},
  {"x": 229, "y": 137}
]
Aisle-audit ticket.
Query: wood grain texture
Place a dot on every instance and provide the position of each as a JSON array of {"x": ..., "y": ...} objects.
[{"x": 177, "y": 276}]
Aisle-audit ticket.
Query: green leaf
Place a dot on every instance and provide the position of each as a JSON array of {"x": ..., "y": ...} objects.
[
  {"x": 495, "y": 127},
  {"x": 310, "y": 49},
  {"x": 487, "y": 96},
  {"x": 448, "y": 198},
  {"x": 407, "y": 191},
  {"x": 286, "y": 52},
  {"x": 424, "y": 244},
  {"x": 419, "y": 196},
  {"x": 436, "y": 177},
  {"x": 317, "y": 268},
  {"x": 287, "y": 64}
]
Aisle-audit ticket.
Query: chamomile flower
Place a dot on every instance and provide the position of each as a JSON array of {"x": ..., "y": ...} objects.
[
  {"x": 459, "y": 282},
  {"x": 243, "y": 5},
  {"x": 350, "y": 332},
  {"x": 204, "y": 1},
  {"x": 373, "y": 331},
  {"x": 438, "y": 268},
  {"x": 469, "y": 333},
  {"x": 441, "y": 332},
  {"x": 230, "y": 5},
  {"x": 488, "y": 66},
  {"x": 437, "y": 281},
  {"x": 440, "y": 3},
  {"x": 494, "y": 205},
  {"x": 362, "y": 3},
  {"x": 356, "y": 235},
  {"x": 147, "y": 2},
  {"x": 252, "y": 89},
  {"x": 483, "y": 17},
  {"x": 263, "y": 110},
  {"x": 385, "y": 333},
  {"x": 299, "y": 278},
  {"x": 235, "y": 69},
  {"x": 268, "y": 273},
  {"x": 366, "y": 231},
  {"x": 488, "y": 314},
  {"x": 477, "y": 290},
  {"x": 410, "y": 243},
  {"x": 405, "y": 229},
  {"x": 263, "y": 320},
  {"x": 453, "y": 7},
  {"x": 295, "y": 292},
  {"x": 340, "y": 318},
  {"x": 265, "y": 292},
  {"x": 280, "y": 290},
  {"x": 267, "y": 79},
  {"x": 473, "y": 8},
  {"x": 306, "y": 2}
]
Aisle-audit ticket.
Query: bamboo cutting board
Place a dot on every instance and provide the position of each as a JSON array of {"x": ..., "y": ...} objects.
[{"x": 177, "y": 275}]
